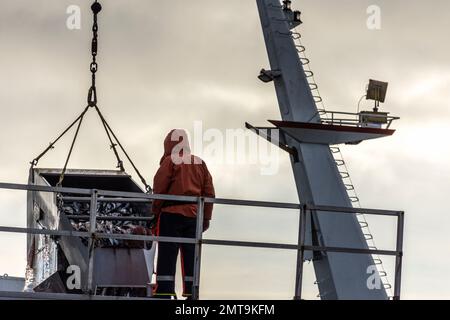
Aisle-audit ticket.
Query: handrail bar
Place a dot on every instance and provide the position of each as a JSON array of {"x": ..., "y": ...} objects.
[
  {"x": 133, "y": 237},
  {"x": 122, "y": 196}
]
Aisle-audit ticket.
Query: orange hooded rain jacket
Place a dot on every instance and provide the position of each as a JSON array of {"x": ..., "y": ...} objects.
[{"x": 181, "y": 173}]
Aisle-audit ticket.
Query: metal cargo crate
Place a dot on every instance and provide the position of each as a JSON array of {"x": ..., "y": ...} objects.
[{"x": 121, "y": 267}]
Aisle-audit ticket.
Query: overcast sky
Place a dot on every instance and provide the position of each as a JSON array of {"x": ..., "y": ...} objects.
[{"x": 166, "y": 64}]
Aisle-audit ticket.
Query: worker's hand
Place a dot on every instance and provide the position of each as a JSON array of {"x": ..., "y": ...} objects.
[{"x": 205, "y": 225}]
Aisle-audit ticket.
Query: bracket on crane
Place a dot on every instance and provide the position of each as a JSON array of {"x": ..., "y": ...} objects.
[{"x": 277, "y": 139}]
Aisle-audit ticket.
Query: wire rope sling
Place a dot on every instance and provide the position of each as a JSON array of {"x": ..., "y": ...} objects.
[{"x": 92, "y": 103}]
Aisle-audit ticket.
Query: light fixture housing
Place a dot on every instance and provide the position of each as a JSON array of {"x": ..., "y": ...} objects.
[
  {"x": 268, "y": 75},
  {"x": 377, "y": 90}
]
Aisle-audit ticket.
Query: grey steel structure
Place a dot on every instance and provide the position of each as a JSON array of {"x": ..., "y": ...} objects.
[
  {"x": 49, "y": 257},
  {"x": 318, "y": 180}
]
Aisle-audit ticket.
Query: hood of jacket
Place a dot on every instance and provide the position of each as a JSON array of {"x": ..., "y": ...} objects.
[{"x": 176, "y": 144}]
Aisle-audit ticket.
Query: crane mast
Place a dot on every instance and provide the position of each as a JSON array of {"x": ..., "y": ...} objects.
[{"x": 317, "y": 177}]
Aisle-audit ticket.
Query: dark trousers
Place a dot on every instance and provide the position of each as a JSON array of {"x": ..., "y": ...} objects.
[{"x": 174, "y": 225}]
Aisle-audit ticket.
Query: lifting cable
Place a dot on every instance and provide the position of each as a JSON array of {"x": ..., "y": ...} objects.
[
  {"x": 61, "y": 177},
  {"x": 52, "y": 144},
  {"x": 92, "y": 103},
  {"x": 113, "y": 145},
  {"x": 108, "y": 128}
]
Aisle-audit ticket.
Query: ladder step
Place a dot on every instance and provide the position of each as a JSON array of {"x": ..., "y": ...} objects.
[
  {"x": 368, "y": 236},
  {"x": 300, "y": 48},
  {"x": 344, "y": 174},
  {"x": 313, "y": 86},
  {"x": 309, "y": 73},
  {"x": 377, "y": 262},
  {"x": 363, "y": 224},
  {"x": 317, "y": 99},
  {"x": 304, "y": 61},
  {"x": 335, "y": 149},
  {"x": 296, "y": 35}
]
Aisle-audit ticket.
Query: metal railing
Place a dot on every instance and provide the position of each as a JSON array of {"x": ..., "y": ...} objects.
[
  {"x": 398, "y": 252},
  {"x": 356, "y": 119},
  {"x": 116, "y": 196}
]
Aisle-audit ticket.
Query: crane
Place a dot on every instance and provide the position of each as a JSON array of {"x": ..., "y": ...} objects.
[{"x": 308, "y": 133}]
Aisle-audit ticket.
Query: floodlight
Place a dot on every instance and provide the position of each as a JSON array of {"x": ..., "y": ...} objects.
[{"x": 377, "y": 91}]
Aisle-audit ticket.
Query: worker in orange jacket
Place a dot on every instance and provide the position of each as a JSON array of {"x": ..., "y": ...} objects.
[{"x": 180, "y": 173}]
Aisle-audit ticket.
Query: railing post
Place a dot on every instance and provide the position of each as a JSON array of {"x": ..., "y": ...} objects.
[
  {"x": 399, "y": 257},
  {"x": 91, "y": 247},
  {"x": 300, "y": 253},
  {"x": 198, "y": 249}
]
